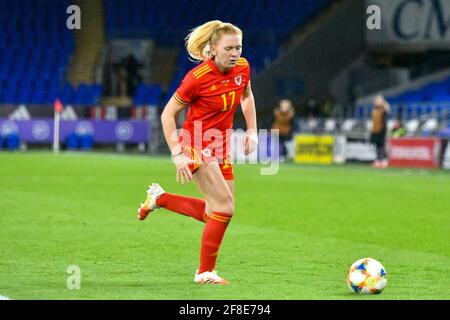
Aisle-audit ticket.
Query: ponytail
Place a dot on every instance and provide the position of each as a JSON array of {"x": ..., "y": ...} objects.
[{"x": 199, "y": 40}]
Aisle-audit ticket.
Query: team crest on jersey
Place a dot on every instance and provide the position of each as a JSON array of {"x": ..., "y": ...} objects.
[
  {"x": 206, "y": 152},
  {"x": 238, "y": 80}
]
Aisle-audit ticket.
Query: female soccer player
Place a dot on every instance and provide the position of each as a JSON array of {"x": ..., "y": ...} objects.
[
  {"x": 201, "y": 152},
  {"x": 379, "y": 128}
]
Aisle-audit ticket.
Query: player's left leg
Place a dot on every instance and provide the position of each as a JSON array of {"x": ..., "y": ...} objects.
[
  {"x": 220, "y": 201},
  {"x": 208, "y": 208},
  {"x": 376, "y": 141},
  {"x": 226, "y": 169},
  {"x": 384, "y": 157}
]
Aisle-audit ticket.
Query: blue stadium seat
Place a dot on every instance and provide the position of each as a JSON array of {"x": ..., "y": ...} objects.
[
  {"x": 86, "y": 141},
  {"x": 71, "y": 141},
  {"x": 12, "y": 141},
  {"x": 409, "y": 111},
  {"x": 147, "y": 94}
]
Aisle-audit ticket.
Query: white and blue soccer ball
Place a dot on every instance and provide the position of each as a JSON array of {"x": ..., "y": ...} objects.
[{"x": 367, "y": 276}]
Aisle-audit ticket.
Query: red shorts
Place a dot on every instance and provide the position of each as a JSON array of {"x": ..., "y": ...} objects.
[{"x": 225, "y": 165}]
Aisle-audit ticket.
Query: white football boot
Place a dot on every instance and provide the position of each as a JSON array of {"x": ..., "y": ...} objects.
[
  {"x": 209, "y": 277},
  {"x": 153, "y": 193}
]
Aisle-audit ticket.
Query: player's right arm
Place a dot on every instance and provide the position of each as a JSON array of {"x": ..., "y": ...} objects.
[
  {"x": 169, "y": 124},
  {"x": 184, "y": 95}
]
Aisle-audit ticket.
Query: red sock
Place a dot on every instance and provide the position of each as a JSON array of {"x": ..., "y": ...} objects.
[
  {"x": 187, "y": 206},
  {"x": 212, "y": 238}
]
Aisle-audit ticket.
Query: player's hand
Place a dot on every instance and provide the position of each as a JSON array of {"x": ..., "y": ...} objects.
[
  {"x": 250, "y": 143},
  {"x": 182, "y": 162}
]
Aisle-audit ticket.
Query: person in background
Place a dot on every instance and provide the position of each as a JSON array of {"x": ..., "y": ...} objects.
[
  {"x": 378, "y": 134},
  {"x": 312, "y": 109},
  {"x": 122, "y": 77},
  {"x": 132, "y": 66},
  {"x": 398, "y": 130},
  {"x": 283, "y": 121}
]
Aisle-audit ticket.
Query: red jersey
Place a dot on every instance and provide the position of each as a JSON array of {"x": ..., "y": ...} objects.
[{"x": 212, "y": 98}]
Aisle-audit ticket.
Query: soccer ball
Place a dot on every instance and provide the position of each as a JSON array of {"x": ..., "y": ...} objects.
[{"x": 367, "y": 276}]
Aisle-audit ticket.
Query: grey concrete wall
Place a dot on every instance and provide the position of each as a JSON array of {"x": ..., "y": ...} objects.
[{"x": 307, "y": 68}]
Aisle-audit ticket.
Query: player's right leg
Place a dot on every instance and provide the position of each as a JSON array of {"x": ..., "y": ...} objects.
[
  {"x": 188, "y": 206},
  {"x": 158, "y": 198},
  {"x": 154, "y": 191}
]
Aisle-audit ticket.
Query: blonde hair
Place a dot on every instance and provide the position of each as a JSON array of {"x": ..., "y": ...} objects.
[
  {"x": 379, "y": 99},
  {"x": 199, "y": 40}
]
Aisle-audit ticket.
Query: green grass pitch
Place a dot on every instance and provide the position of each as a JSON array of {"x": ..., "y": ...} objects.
[{"x": 294, "y": 234}]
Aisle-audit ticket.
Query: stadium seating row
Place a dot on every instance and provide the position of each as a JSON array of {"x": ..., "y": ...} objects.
[
  {"x": 360, "y": 128},
  {"x": 168, "y": 24},
  {"x": 438, "y": 91},
  {"x": 45, "y": 92},
  {"x": 35, "y": 39},
  {"x": 409, "y": 110}
]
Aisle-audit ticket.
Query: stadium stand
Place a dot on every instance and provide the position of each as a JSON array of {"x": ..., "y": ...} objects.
[
  {"x": 36, "y": 48},
  {"x": 168, "y": 25},
  {"x": 35, "y": 52}
]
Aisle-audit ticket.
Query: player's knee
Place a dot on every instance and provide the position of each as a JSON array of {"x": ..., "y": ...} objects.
[
  {"x": 224, "y": 204},
  {"x": 228, "y": 204}
]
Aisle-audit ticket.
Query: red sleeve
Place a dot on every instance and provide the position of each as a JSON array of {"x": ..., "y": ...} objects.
[
  {"x": 247, "y": 69},
  {"x": 248, "y": 73},
  {"x": 187, "y": 90}
]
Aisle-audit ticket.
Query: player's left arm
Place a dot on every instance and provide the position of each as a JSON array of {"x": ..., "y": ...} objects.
[{"x": 249, "y": 111}]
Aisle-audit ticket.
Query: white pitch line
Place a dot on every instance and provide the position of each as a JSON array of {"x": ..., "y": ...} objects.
[{"x": 4, "y": 298}]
